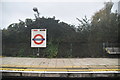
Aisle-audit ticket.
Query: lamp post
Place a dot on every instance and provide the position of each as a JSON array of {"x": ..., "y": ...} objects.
[{"x": 36, "y": 10}]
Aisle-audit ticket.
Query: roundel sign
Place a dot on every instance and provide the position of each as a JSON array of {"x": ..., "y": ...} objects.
[{"x": 38, "y": 38}]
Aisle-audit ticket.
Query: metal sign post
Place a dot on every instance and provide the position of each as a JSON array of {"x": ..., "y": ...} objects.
[{"x": 38, "y": 52}]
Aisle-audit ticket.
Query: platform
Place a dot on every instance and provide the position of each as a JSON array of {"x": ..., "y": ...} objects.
[{"x": 59, "y": 65}]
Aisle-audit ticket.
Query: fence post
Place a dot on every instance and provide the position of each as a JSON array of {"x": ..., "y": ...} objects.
[{"x": 71, "y": 49}]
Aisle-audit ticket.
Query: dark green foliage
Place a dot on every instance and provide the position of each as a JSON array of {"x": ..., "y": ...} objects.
[
  {"x": 104, "y": 25},
  {"x": 52, "y": 49},
  {"x": 18, "y": 35}
]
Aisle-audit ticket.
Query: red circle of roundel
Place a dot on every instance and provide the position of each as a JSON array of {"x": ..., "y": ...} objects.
[{"x": 40, "y": 41}]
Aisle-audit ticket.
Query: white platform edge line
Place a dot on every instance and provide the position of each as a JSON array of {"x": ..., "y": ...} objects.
[{"x": 62, "y": 71}]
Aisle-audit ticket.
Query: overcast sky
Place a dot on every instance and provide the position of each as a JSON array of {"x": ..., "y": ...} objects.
[{"x": 64, "y": 10}]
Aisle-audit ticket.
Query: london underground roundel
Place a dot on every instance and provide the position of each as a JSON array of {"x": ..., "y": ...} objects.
[{"x": 38, "y": 37}]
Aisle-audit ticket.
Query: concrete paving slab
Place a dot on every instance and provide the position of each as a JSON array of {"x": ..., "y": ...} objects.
[{"x": 61, "y": 62}]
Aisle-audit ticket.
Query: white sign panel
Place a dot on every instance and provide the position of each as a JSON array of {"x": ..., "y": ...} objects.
[{"x": 38, "y": 37}]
